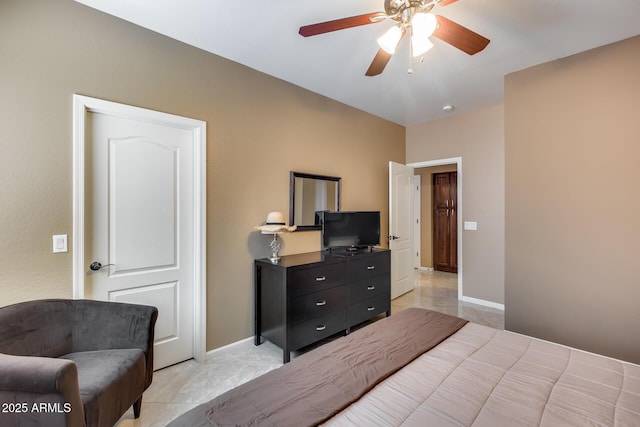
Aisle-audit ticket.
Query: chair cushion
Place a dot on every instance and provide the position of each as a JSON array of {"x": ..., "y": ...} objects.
[{"x": 109, "y": 381}]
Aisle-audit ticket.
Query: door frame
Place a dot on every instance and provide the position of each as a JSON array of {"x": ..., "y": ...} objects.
[
  {"x": 83, "y": 105},
  {"x": 458, "y": 162}
]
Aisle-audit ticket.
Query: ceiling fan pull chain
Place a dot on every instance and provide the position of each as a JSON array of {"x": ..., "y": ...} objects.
[{"x": 410, "y": 70}]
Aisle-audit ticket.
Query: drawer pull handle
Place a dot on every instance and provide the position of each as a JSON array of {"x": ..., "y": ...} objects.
[
  {"x": 320, "y": 303},
  {"x": 370, "y": 308},
  {"x": 371, "y": 267},
  {"x": 321, "y": 279},
  {"x": 370, "y": 288},
  {"x": 321, "y": 328}
]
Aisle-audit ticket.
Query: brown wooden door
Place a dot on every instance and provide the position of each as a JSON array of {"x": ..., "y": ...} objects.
[{"x": 445, "y": 222}]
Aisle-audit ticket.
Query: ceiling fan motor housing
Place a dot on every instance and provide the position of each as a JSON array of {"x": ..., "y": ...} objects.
[{"x": 401, "y": 9}]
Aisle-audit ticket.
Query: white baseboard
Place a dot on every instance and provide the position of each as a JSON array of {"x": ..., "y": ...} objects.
[
  {"x": 483, "y": 302},
  {"x": 228, "y": 346}
]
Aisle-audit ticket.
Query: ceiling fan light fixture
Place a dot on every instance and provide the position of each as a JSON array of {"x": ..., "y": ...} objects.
[
  {"x": 389, "y": 40},
  {"x": 409, "y": 15},
  {"x": 423, "y": 24},
  {"x": 420, "y": 45}
]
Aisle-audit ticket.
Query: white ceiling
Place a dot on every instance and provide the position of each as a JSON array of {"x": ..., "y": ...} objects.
[{"x": 263, "y": 35}]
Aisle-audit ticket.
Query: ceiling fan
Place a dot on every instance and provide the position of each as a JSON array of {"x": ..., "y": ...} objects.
[{"x": 410, "y": 15}]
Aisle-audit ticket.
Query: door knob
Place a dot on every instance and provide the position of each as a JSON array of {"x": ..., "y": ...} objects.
[
  {"x": 393, "y": 237},
  {"x": 95, "y": 266}
]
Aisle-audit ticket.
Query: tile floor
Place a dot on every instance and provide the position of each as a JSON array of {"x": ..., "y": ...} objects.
[{"x": 181, "y": 387}]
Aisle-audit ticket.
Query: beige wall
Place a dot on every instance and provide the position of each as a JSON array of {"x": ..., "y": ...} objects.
[
  {"x": 426, "y": 211},
  {"x": 258, "y": 130},
  {"x": 572, "y": 231},
  {"x": 478, "y": 138}
]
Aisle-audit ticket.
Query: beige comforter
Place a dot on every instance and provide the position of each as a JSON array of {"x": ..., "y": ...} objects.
[
  {"x": 318, "y": 384},
  {"x": 485, "y": 377}
]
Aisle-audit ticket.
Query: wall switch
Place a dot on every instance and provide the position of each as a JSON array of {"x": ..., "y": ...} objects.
[
  {"x": 60, "y": 243},
  {"x": 470, "y": 225}
]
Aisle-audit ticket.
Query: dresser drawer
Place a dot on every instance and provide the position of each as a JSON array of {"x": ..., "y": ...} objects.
[
  {"x": 313, "y": 330},
  {"x": 366, "y": 309},
  {"x": 368, "y": 288},
  {"x": 308, "y": 280},
  {"x": 369, "y": 266},
  {"x": 317, "y": 304}
]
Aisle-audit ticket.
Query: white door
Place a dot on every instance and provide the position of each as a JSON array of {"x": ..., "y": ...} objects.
[
  {"x": 139, "y": 223},
  {"x": 401, "y": 228},
  {"x": 416, "y": 221}
]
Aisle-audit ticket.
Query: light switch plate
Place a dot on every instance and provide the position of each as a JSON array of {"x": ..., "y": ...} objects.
[
  {"x": 60, "y": 243},
  {"x": 470, "y": 225}
]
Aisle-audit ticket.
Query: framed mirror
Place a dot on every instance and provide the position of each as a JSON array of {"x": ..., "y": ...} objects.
[{"x": 309, "y": 193}]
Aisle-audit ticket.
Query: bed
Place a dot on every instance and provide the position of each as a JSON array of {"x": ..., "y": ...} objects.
[{"x": 422, "y": 368}]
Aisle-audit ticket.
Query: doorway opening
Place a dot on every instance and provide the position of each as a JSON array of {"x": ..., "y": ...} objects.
[
  {"x": 438, "y": 212},
  {"x": 426, "y": 170}
]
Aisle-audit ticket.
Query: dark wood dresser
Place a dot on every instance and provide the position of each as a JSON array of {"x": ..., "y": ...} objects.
[{"x": 305, "y": 298}]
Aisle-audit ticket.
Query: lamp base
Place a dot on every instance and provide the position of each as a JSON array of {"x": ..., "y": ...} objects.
[{"x": 275, "y": 247}]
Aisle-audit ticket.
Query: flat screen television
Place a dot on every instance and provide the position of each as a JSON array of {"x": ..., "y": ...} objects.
[{"x": 351, "y": 230}]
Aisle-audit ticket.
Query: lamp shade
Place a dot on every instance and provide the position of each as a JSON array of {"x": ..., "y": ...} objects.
[
  {"x": 420, "y": 44},
  {"x": 424, "y": 24},
  {"x": 390, "y": 39}
]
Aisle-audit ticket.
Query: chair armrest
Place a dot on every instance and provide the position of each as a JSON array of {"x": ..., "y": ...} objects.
[
  {"x": 30, "y": 380},
  {"x": 37, "y": 374}
]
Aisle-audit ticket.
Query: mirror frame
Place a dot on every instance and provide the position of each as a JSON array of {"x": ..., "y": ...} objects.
[{"x": 292, "y": 191}]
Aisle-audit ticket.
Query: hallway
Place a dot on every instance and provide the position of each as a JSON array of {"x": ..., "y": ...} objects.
[{"x": 438, "y": 291}]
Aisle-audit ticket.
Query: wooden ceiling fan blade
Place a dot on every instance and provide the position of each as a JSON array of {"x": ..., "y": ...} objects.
[
  {"x": 379, "y": 63},
  {"x": 381, "y": 60},
  {"x": 341, "y": 24},
  {"x": 458, "y": 36}
]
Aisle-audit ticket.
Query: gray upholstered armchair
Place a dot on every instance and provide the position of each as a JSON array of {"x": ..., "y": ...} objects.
[{"x": 73, "y": 362}]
